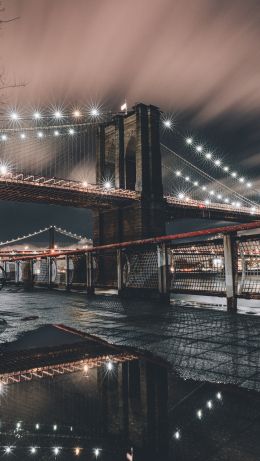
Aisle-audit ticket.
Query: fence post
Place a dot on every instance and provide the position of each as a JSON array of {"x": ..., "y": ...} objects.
[
  {"x": 230, "y": 256},
  {"x": 163, "y": 284},
  {"x": 49, "y": 268},
  {"x": 119, "y": 270},
  {"x": 67, "y": 273},
  {"x": 17, "y": 269},
  {"x": 89, "y": 273}
]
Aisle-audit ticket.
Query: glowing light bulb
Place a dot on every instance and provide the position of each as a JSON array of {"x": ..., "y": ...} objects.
[
  {"x": 84, "y": 184},
  {"x": 177, "y": 435},
  {"x": 167, "y": 123},
  {"x": 56, "y": 133},
  {"x": 248, "y": 184},
  {"x": 77, "y": 451},
  {"x": 219, "y": 196},
  {"x": 71, "y": 131},
  {"x": 227, "y": 200},
  {"x": 33, "y": 450},
  {"x": 14, "y": 116},
  {"x": 18, "y": 425},
  {"x": 208, "y": 155},
  {"x": 207, "y": 202},
  {"x": 219, "y": 396},
  {"x": 199, "y": 414},
  {"x": 110, "y": 366},
  {"x": 204, "y": 188},
  {"x": 58, "y": 114},
  {"x": 234, "y": 174},
  {"x": 4, "y": 137},
  {"x": 22, "y": 135},
  {"x": 181, "y": 196},
  {"x": 242, "y": 180},
  {"x": 187, "y": 178},
  {"x": 96, "y": 452},
  {"x": 189, "y": 141},
  {"x": 8, "y": 450},
  {"x": 3, "y": 170},
  {"x": 37, "y": 426},
  {"x": 77, "y": 113},
  {"x": 199, "y": 148},
  {"x": 40, "y": 134},
  {"x": 212, "y": 192},
  {"x": 37, "y": 115},
  {"x": 178, "y": 173},
  {"x": 217, "y": 162},
  {"x": 225, "y": 168},
  {"x": 56, "y": 450},
  {"x": 209, "y": 404},
  {"x": 196, "y": 183},
  {"x": 94, "y": 112},
  {"x": 107, "y": 185}
]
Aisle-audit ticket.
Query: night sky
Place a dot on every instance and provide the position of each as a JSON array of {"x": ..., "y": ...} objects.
[{"x": 199, "y": 59}]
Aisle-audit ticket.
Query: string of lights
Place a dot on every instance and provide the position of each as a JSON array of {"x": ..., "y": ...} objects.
[
  {"x": 168, "y": 124},
  {"x": 55, "y": 450},
  {"x": 205, "y": 188},
  {"x": 200, "y": 413},
  {"x": 41, "y": 231}
]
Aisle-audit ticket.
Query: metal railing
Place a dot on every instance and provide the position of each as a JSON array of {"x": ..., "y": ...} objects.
[{"x": 222, "y": 262}]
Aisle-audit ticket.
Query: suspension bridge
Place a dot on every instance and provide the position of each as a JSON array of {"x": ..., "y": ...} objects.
[{"x": 134, "y": 184}]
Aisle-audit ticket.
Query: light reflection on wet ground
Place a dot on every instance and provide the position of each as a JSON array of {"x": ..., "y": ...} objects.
[
  {"x": 140, "y": 404},
  {"x": 204, "y": 345}
]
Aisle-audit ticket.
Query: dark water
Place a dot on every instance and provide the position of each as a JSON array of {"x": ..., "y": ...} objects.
[{"x": 139, "y": 404}]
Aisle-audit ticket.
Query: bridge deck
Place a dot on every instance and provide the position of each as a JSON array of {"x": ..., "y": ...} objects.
[{"x": 55, "y": 191}]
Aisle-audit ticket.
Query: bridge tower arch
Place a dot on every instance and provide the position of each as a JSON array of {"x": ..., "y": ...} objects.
[{"x": 128, "y": 148}]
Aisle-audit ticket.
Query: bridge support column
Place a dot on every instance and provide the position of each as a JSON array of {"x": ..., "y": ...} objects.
[
  {"x": 230, "y": 255},
  {"x": 89, "y": 274},
  {"x": 163, "y": 284}
]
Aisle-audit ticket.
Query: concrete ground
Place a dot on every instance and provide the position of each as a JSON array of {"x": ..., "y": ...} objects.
[{"x": 202, "y": 344}]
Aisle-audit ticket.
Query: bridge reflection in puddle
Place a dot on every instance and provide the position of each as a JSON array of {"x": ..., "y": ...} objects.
[{"x": 103, "y": 410}]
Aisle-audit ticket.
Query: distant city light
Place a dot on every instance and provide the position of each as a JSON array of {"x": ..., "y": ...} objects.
[
  {"x": 56, "y": 450},
  {"x": 96, "y": 452}
]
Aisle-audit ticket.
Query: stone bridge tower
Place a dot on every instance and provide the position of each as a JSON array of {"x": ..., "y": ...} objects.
[{"x": 128, "y": 153}]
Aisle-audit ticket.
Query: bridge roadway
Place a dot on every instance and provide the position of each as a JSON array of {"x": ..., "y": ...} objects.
[{"x": 55, "y": 191}]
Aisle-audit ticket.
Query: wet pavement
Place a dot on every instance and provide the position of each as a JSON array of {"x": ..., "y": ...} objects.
[{"x": 200, "y": 344}]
